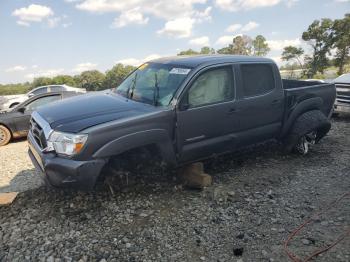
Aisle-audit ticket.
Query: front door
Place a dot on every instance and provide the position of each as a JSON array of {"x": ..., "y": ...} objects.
[{"x": 206, "y": 117}]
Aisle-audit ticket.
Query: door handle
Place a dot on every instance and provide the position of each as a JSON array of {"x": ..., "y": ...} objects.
[{"x": 275, "y": 102}]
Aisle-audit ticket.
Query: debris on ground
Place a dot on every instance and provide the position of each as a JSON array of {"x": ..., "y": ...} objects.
[
  {"x": 7, "y": 198},
  {"x": 193, "y": 176}
]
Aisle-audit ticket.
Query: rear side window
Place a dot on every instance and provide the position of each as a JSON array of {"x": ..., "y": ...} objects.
[
  {"x": 56, "y": 88},
  {"x": 40, "y": 91},
  {"x": 257, "y": 79}
]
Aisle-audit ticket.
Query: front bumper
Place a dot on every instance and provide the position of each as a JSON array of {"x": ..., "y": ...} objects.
[
  {"x": 63, "y": 172},
  {"x": 342, "y": 107}
]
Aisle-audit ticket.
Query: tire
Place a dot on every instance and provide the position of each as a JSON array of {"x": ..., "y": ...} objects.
[
  {"x": 308, "y": 123},
  {"x": 5, "y": 135}
]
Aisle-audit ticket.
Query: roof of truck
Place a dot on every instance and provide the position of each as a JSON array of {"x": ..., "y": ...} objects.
[{"x": 196, "y": 60}]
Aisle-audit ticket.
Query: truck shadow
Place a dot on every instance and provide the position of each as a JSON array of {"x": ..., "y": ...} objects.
[
  {"x": 222, "y": 168},
  {"x": 234, "y": 170},
  {"x": 23, "y": 181},
  {"x": 341, "y": 117}
]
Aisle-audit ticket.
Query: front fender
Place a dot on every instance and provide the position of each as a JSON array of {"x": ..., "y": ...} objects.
[{"x": 122, "y": 144}]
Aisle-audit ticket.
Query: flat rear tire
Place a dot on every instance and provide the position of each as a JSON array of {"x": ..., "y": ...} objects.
[{"x": 308, "y": 129}]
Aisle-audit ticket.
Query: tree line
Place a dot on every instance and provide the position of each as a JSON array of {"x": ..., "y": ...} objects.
[
  {"x": 92, "y": 80},
  {"x": 329, "y": 41},
  {"x": 241, "y": 45},
  {"x": 330, "y": 44}
]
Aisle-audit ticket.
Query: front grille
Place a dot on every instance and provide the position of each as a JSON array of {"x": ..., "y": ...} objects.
[
  {"x": 38, "y": 133},
  {"x": 343, "y": 93}
]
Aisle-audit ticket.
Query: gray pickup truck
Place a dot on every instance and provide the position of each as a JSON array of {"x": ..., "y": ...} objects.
[{"x": 184, "y": 108}]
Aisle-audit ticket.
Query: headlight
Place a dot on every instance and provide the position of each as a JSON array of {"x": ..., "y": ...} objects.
[{"x": 66, "y": 144}]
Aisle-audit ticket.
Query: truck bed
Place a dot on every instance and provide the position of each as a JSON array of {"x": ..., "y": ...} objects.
[
  {"x": 290, "y": 84},
  {"x": 296, "y": 91}
]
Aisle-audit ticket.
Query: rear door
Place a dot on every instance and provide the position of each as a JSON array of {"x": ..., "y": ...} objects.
[
  {"x": 206, "y": 117},
  {"x": 260, "y": 102}
]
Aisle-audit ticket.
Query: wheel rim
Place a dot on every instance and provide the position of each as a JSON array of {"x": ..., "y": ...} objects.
[
  {"x": 305, "y": 141},
  {"x": 2, "y": 135}
]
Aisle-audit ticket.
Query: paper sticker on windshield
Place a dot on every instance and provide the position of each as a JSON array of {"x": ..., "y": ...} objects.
[{"x": 180, "y": 71}]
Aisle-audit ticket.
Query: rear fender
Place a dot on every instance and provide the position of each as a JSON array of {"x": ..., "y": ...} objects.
[
  {"x": 313, "y": 103},
  {"x": 122, "y": 144}
]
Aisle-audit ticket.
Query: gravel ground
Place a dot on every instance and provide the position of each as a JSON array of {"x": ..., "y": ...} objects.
[
  {"x": 16, "y": 171},
  {"x": 259, "y": 196}
]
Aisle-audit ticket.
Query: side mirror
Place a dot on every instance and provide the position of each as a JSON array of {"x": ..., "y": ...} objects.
[
  {"x": 30, "y": 95},
  {"x": 21, "y": 110}
]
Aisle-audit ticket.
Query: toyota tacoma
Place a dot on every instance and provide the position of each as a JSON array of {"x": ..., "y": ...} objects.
[{"x": 186, "y": 109}]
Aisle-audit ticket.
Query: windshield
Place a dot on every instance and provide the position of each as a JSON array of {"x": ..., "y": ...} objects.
[
  {"x": 153, "y": 83},
  {"x": 343, "y": 79}
]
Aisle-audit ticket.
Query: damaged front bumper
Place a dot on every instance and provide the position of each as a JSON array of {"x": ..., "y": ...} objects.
[{"x": 64, "y": 172}]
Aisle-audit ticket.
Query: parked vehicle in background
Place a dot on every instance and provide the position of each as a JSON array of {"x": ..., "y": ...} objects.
[
  {"x": 342, "y": 84},
  {"x": 15, "y": 123},
  {"x": 315, "y": 80},
  {"x": 184, "y": 108},
  {"x": 7, "y": 102}
]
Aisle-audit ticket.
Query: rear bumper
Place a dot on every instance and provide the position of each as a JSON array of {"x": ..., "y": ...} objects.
[{"x": 62, "y": 172}]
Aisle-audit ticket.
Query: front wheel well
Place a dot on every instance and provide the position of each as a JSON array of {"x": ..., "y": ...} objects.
[
  {"x": 9, "y": 129},
  {"x": 14, "y": 104},
  {"x": 136, "y": 158}
]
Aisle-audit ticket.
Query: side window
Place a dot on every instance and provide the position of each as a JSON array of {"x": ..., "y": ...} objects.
[
  {"x": 41, "y": 101},
  {"x": 56, "y": 88},
  {"x": 213, "y": 86},
  {"x": 257, "y": 79},
  {"x": 39, "y": 91}
]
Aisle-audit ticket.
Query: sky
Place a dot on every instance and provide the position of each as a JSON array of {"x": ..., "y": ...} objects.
[{"x": 50, "y": 37}]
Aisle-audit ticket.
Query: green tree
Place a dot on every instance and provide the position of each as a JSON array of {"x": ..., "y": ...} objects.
[
  {"x": 91, "y": 80},
  {"x": 206, "y": 50},
  {"x": 293, "y": 53},
  {"x": 260, "y": 46},
  {"x": 41, "y": 81},
  {"x": 64, "y": 80},
  {"x": 13, "y": 89},
  {"x": 319, "y": 35},
  {"x": 116, "y": 75},
  {"x": 341, "y": 28},
  {"x": 188, "y": 52},
  {"x": 225, "y": 50},
  {"x": 241, "y": 45}
]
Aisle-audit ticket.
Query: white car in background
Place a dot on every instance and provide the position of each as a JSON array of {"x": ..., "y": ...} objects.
[
  {"x": 7, "y": 102},
  {"x": 342, "y": 103}
]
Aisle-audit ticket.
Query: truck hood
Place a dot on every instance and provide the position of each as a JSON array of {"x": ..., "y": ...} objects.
[{"x": 80, "y": 112}]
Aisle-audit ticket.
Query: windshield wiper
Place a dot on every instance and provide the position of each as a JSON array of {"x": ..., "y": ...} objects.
[
  {"x": 156, "y": 90},
  {"x": 131, "y": 94}
]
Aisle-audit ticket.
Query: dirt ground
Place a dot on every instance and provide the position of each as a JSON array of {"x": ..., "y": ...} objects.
[{"x": 258, "y": 198}]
